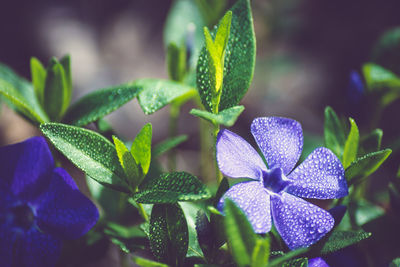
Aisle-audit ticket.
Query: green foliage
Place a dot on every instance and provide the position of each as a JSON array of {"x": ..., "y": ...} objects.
[
  {"x": 287, "y": 257},
  {"x": 168, "y": 144},
  {"x": 351, "y": 145},
  {"x": 366, "y": 165},
  {"x": 168, "y": 233},
  {"x": 128, "y": 238},
  {"x": 341, "y": 239},
  {"x": 226, "y": 117},
  {"x": 260, "y": 255},
  {"x": 334, "y": 132},
  {"x": 38, "y": 74},
  {"x": 141, "y": 148},
  {"x": 239, "y": 62},
  {"x": 300, "y": 262},
  {"x": 395, "y": 263},
  {"x": 147, "y": 263},
  {"x": 96, "y": 105},
  {"x": 89, "y": 151},
  {"x": 170, "y": 188},
  {"x": 191, "y": 210},
  {"x": 371, "y": 142},
  {"x": 386, "y": 51},
  {"x": 176, "y": 62},
  {"x": 378, "y": 77}
]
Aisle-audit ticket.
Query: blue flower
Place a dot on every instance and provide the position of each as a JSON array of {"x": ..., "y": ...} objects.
[
  {"x": 276, "y": 190},
  {"x": 40, "y": 205},
  {"x": 356, "y": 88}
]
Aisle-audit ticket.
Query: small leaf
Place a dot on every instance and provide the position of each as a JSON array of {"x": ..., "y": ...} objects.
[
  {"x": 141, "y": 148},
  {"x": 96, "y": 105},
  {"x": 366, "y": 165},
  {"x": 176, "y": 62},
  {"x": 260, "y": 255},
  {"x": 341, "y": 239},
  {"x": 333, "y": 132},
  {"x": 89, "y": 151},
  {"x": 168, "y": 144},
  {"x": 128, "y": 163},
  {"x": 38, "y": 74},
  {"x": 300, "y": 262},
  {"x": 378, "y": 77},
  {"x": 239, "y": 61},
  {"x": 226, "y": 117},
  {"x": 371, "y": 142},
  {"x": 191, "y": 210},
  {"x": 156, "y": 93},
  {"x": 286, "y": 257},
  {"x": 147, "y": 263},
  {"x": 66, "y": 63},
  {"x": 239, "y": 232},
  {"x": 351, "y": 145},
  {"x": 170, "y": 188},
  {"x": 168, "y": 233}
]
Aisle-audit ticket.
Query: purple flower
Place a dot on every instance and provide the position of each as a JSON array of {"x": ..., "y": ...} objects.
[
  {"x": 275, "y": 190},
  {"x": 40, "y": 205},
  {"x": 317, "y": 262}
]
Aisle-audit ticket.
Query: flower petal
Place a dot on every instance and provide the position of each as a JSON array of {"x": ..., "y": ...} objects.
[
  {"x": 299, "y": 223},
  {"x": 236, "y": 158},
  {"x": 26, "y": 167},
  {"x": 7, "y": 239},
  {"x": 317, "y": 262},
  {"x": 63, "y": 210},
  {"x": 320, "y": 176},
  {"x": 254, "y": 201},
  {"x": 36, "y": 249},
  {"x": 280, "y": 140}
]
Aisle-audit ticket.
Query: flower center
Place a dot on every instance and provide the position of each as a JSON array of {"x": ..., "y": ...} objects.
[
  {"x": 274, "y": 180},
  {"x": 22, "y": 216}
]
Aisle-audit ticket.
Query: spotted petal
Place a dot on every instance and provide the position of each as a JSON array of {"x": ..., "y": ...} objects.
[
  {"x": 63, "y": 210},
  {"x": 320, "y": 176},
  {"x": 26, "y": 167},
  {"x": 252, "y": 198},
  {"x": 299, "y": 223},
  {"x": 280, "y": 140},
  {"x": 317, "y": 262},
  {"x": 236, "y": 158}
]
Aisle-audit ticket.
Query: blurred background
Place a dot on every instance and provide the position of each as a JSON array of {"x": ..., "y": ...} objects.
[{"x": 306, "y": 50}]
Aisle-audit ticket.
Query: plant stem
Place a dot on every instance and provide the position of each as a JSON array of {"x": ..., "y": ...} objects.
[
  {"x": 173, "y": 130},
  {"x": 218, "y": 174}
]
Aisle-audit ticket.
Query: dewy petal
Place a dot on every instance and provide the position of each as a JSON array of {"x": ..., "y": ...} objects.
[
  {"x": 36, "y": 249},
  {"x": 320, "y": 176},
  {"x": 63, "y": 210},
  {"x": 299, "y": 223},
  {"x": 253, "y": 199},
  {"x": 280, "y": 140},
  {"x": 317, "y": 262},
  {"x": 236, "y": 158},
  {"x": 7, "y": 239},
  {"x": 26, "y": 167}
]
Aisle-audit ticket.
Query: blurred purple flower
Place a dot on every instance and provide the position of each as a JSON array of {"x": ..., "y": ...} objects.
[
  {"x": 40, "y": 205},
  {"x": 276, "y": 190},
  {"x": 356, "y": 88}
]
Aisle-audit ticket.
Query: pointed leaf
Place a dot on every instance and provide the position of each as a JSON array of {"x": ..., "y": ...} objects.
[
  {"x": 351, "y": 145},
  {"x": 168, "y": 233},
  {"x": 333, "y": 132},
  {"x": 226, "y": 117},
  {"x": 378, "y": 77},
  {"x": 260, "y": 255},
  {"x": 89, "y": 151},
  {"x": 366, "y": 165},
  {"x": 239, "y": 61},
  {"x": 38, "y": 74},
  {"x": 170, "y": 188},
  {"x": 96, "y": 105},
  {"x": 66, "y": 63},
  {"x": 141, "y": 148},
  {"x": 168, "y": 144},
  {"x": 191, "y": 210}
]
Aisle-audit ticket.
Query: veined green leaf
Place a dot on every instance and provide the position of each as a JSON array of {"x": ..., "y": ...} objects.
[
  {"x": 239, "y": 232},
  {"x": 366, "y": 165},
  {"x": 96, "y": 105},
  {"x": 38, "y": 74},
  {"x": 378, "y": 77},
  {"x": 334, "y": 132},
  {"x": 141, "y": 148},
  {"x": 239, "y": 61},
  {"x": 260, "y": 255},
  {"x": 351, "y": 145},
  {"x": 171, "y": 188},
  {"x": 168, "y": 233},
  {"x": 341, "y": 239},
  {"x": 89, "y": 151},
  {"x": 168, "y": 144},
  {"x": 226, "y": 117}
]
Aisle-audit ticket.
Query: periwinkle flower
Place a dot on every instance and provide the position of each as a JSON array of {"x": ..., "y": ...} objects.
[
  {"x": 276, "y": 190},
  {"x": 356, "y": 87},
  {"x": 40, "y": 206}
]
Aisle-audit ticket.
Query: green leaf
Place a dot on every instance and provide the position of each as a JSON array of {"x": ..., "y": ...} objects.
[
  {"x": 156, "y": 93},
  {"x": 128, "y": 163},
  {"x": 190, "y": 210},
  {"x": 176, "y": 62},
  {"x": 341, "y": 239},
  {"x": 147, "y": 263},
  {"x": 334, "y": 132},
  {"x": 395, "y": 263},
  {"x": 38, "y": 73},
  {"x": 366, "y": 165},
  {"x": 226, "y": 117},
  {"x": 170, "y": 188},
  {"x": 371, "y": 142},
  {"x": 386, "y": 51},
  {"x": 239, "y": 232},
  {"x": 260, "y": 255},
  {"x": 284, "y": 259},
  {"x": 378, "y": 77},
  {"x": 301, "y": 262},
  {"x": 89, "y": 151},
  {"x": 168, "y": 144},
  {"x": 168, "y": 233},
  {"x": 56, "y": 92},
  {"x": 351, "y": 145},
  {"x": 239, "y": 61},
  {"x": 141, "y": 148},
  {"x": 96, "y": 105},
  {"x": 20, "y": 95},
  {"x": 66, "y": 63}
]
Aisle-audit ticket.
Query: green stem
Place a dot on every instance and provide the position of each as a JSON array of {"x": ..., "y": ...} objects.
[
  {"x": 173, "y": 130},
  {"x": 218, "y": 174},
  {"x": 142, "y": 212}
]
